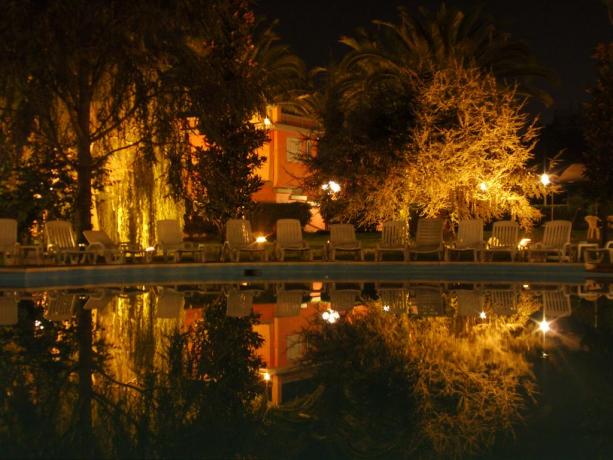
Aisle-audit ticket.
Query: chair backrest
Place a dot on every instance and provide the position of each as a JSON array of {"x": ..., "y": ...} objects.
[
  {"x": 239, "y": 303},
  {"x": 429, "y": 231},
  {"x": 394, "y": 300},
  {"x": 342, "y": 233},
  {"x": 470, "y": 232},
  {"x": 288, "y": 303},
  {"x": 59, "y": 233},
  {"x": 169, "y": 232},
  {"x": 428, "y": 301},
  {"x": 343, "y": 299},
  {"x": 61, "y": 307},
  {"x": 394, "y": 234},
  {"x": 8, "y": 234},
  {"x": 238, "y": 232},
  {"x": 99, "y": 237},
  {"x": 505, "y": 233},
  {"x": 556, "y": 304},
  {"x": 289, "y": 231},
  {"x": 557, "y": 233},
  {"x": 470, "y": 302},
  {"x": 8, "y": 310},
  {"x": 503, "y": 301},
  {"x": 170, "y": 303}
]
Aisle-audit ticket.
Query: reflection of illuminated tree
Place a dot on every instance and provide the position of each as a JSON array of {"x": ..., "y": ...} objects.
[
  {"x": 391, "y": 385},
  {"x": 71, "y": 392}
]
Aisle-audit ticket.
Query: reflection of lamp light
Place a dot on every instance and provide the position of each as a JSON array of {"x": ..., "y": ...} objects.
[
  {"x": 333, "y": 186},
  {"x": 260, "y": 239},
  {"x": 267, "y": 122},
  {"x": 330, "y": 316},
  {"x": 266, "y": 376},
  {"x": 483, "y": 187},
  {"x": 482, "y": 315},
  {"x": 386, "y": 308},
  {"x": 544, "y": 326}
]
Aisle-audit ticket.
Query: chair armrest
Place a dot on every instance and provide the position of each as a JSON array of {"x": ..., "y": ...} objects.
[{"x": 95, "y": 246}]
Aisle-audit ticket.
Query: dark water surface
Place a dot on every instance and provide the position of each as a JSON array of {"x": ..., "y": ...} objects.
[{"x": 309, "y": 369}]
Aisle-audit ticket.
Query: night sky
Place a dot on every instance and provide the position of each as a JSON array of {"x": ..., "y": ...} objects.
[{"x": 562, "y": 34}]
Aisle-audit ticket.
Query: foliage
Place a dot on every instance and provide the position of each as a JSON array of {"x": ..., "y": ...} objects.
[
  {"x": 401, "y": 387},
  {"x": 373, "y": 112},
  {"x": 265, "y": 215},
  {"x": 598, "y": 129}
]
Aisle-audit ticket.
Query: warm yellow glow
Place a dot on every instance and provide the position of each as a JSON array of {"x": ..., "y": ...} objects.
[
  {"x": 316, "y": 299},
  {"x": 483, "y": 186},
  {"x": 545, "y": 180},
  {"x": 386, "y": 308},
  {"x": 260, "y": 239},
  {"x": 333, "y": 186},
  {"x": 544, "y": 326},
  {"x": 266, "y": 376},
  {"x": 267, "y": 122},
  {"x": 330, "y": 316},
  {"x": 523, "y": 243},
  {"x": 150, "y": 249},
  {"x": 482, "y": 315},
  {"x": 525, "y": 286}
]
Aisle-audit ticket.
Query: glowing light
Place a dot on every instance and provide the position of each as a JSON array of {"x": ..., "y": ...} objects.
[
  {"x": 483, "y": 187},
  {"x": 386, "y": 308},
  {"x": 260, "y": 239},
  {"x": 331, "y": 316},
  {"x": 482, "y": 315},
  {"x": 545, "y": 180},
  {"x": 316, "y": 299},
  {"x": 334, "y": 187},
  {"x": 525, "y": 286},
  {"x": 267, "y": 122},
  {"x": 150, "y": 249},
  {"x": 38, "y": 325},
  {"x": 523, "y": 243},
  {"x": 37, "y": 196},
  {"x": 544, "y": 326}
]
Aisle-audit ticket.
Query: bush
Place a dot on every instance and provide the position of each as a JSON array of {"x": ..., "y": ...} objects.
[{"x": 265, "y": 215}]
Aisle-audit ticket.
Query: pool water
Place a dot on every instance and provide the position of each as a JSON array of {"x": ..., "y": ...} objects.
[{"x": 346, "y": 369}]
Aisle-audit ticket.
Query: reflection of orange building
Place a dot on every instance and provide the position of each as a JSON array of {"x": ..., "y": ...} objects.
[{"x": 282, "y": 346}]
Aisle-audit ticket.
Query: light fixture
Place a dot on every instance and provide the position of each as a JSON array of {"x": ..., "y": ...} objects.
[
  {"x": 544, "y": 326},
  {"x": 267, "y": 122},
  {"x": 523, "y": 243},
  {"x": 483, "y": 187},
  {"x": 482, "y": 315},
  {"x": 545, "y": 180},
  {"x": 260, "y": 239}
]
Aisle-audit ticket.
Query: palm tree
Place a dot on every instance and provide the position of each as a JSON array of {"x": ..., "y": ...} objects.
[{"x": 419, "y": 44}]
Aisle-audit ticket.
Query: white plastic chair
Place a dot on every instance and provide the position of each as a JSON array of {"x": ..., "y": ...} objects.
[
  {"x": 170, "y": 241},
  {"x": 61, "y": 243},
  {"x": 469, "y": 239},
  {"x": 343, "y": 239},
  {"x": 289, "y": 239},
  {"x": 504, "y": 239},
  {"x": 393, "y": 239},
  {"x": 555, "y": 243},
  {"x": 9, "y": 247},
  {"x": 240, "y": 239},
  {"x": 428, "y": 239}
]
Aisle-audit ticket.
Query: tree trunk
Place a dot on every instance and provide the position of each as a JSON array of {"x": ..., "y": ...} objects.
[
  {"x": 86, "y": 442},
  {"x": 83, "y": 201}
]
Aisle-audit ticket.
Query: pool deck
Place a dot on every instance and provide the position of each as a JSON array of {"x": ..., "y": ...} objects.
[{"x": 177, "y": 273}]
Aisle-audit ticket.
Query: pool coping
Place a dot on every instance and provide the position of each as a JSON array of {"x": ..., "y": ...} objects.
[{"x": 130, "y": 274}]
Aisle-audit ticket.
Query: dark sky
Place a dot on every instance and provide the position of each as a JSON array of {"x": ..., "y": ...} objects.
[{"x": 561, "y": 33}]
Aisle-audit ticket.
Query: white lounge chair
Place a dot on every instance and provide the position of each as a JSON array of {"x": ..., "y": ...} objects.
[
  {"x": 395, "y": 300},
  {"x": 61, "y": 244},
  {"x": 555, "y": 243},
  {"x": 103, "y": 246},
  {"x": 289, "y": 239},
  {"x": 503, "y": 301},
  {"x": 343, "y": 239},
  {"x": 9, "y": 247},
  {"x": 428, "y": 239},
  {"x": 427, "y": 300},
  {"x": 170, "y": 302},
  {"x": 289, "y": 302},
  {"x": 556, "y": 304},
  {"x": 504, "y": 239},
  {"x": 240, "y": 239},
  {"x": 61, "y": 306},
  {"x": 469, "y": 239},
  {"x": 239, "y": 303},
  {"x": 170, "y": 241},
  {"x": 9, "y": 314},
  {"x": 470, "y": 302},
  {"x": 393, "y": 240}
]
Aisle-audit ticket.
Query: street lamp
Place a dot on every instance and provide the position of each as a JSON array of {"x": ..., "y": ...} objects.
[{"x": 546, "y": 180}]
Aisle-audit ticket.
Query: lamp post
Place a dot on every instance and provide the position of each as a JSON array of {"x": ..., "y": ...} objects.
[{"x": 545, "y": 180}]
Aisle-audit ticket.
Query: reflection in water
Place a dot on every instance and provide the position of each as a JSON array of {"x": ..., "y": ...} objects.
[{"x": 424, "y": 369}]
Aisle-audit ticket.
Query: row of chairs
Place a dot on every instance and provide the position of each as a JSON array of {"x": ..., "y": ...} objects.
[{"x": 61, "y": 242}]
